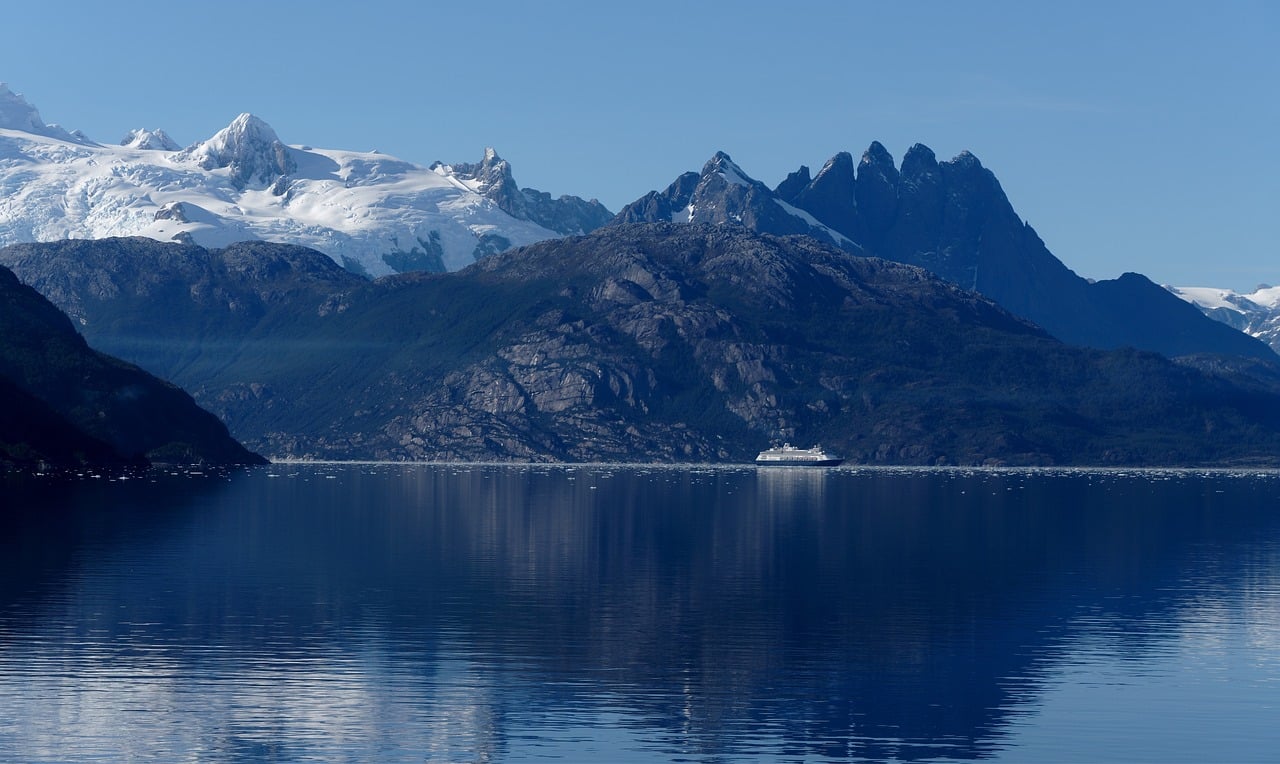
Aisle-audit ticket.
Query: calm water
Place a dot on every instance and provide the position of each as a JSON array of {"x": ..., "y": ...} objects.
[{"x": 491, "y": 613}]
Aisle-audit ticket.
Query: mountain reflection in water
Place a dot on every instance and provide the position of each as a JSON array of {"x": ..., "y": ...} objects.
[{"x": 446, "y": 612}]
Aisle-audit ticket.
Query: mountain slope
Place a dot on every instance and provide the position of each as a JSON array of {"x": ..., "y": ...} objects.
[
  {"x": 656, "y": 343},
  {"x": 368, "y": 211},
  {"x": 34, "y": 436},
  {"x": 954, "y": 219},
  {"x": 88, "y": 406}
]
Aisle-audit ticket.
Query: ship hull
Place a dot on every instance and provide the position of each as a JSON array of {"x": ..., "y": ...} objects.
[{"x": 799, "y": 462}]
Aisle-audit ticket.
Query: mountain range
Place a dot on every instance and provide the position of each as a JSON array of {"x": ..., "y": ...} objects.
[
  {"x": 902, "y": 314},
  {"x": 954, "y": 219},
  {"x": 378, "y": 215},
  {"x": 656, "y": 342},
  {"x": 371, "y": 212}
]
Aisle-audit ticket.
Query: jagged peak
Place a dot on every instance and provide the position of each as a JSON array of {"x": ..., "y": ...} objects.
[
  {"x": 793, "y": 184},
  {"x": 965, "y": 159},
  {"x": 841, "y": 163},
  {"x": 919, "y": 153},
  {"x": 490, "y": 170},
  {"x": 877, "y": 154},
  {"x": 919, "y": 161},
  {"x": 723, "y": 165},
  {"x": 830, "y": 196},
  {"x": 719, "y": 161},
  {"x": 877, "y": 163}
]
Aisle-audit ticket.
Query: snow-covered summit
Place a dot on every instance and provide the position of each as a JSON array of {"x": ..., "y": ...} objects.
[
  {"x": 16, "y": 113},
  {"x": 156, "y": 140},
  {"x": 371, "y": 212},
  {"x": 248, "y": 146}
]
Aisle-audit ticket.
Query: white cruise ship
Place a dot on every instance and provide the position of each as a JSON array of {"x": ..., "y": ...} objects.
[{"x": 789, "y": 455}]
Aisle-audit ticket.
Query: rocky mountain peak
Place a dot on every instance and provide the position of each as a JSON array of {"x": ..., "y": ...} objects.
[
  {"x": 723, "y": 194},
  {"x": 491, "y": 177},
  {"x": 492, "y": 174},
  {"x": 966, "y": 161},
  {"x": 839, "y": 165},
  {"x": 249, "y": 147},
  {"x": 722, "y": 164},
  {"x": 918, "y": 161},
  {"x": 877, "y": 159},
  {"x": 829, "y": 198},
  {"x": 876, "y": 190}
]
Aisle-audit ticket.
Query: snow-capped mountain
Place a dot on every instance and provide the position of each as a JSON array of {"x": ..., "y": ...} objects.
[
  {"x": 371, "y": 212},
  {"x": 1256, "y": 314}
]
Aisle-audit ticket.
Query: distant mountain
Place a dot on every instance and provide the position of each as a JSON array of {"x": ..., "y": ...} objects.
[
  {"x": 657, "y": 342},
  {"x": 63, "y": 404},
  {"x": 954, "y": 219},
  {"x": 1256, "y": 314},
  {"x": 371, "y": 212}
]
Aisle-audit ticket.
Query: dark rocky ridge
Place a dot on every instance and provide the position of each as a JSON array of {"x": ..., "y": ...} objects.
[
  {"x": 954, "y": 219},
  {"x": 62, "y": 403},
  {"x": 654, "y": 343}
]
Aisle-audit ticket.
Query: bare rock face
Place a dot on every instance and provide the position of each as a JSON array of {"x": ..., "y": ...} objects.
[{"x": 643, "y": 342}]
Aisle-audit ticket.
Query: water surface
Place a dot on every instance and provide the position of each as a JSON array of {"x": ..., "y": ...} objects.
[{"x": 599, "y": 613}]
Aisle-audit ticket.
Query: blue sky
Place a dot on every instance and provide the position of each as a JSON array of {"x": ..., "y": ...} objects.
[{"x": 1134, "y": 136}]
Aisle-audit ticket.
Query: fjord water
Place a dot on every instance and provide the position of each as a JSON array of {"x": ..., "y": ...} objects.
[{"x": 602, "y": 613}]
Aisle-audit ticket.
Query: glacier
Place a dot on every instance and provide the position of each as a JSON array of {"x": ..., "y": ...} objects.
[
  {"x": 372, "y": 213},
  {"x": 1256, "y": 313}
]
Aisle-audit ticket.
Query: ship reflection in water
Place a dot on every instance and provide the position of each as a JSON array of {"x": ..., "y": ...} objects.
[{"x": 477, "y": 613}]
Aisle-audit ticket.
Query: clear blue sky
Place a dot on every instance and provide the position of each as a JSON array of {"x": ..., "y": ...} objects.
[{"x": 1131, "y": 135}]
